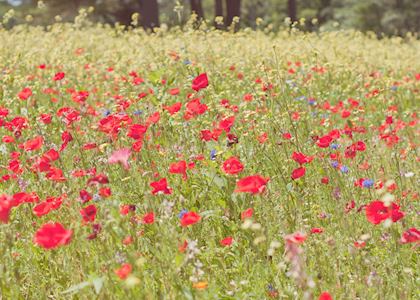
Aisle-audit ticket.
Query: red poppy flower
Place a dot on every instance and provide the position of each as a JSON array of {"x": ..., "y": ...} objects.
[
  {"x": 126, "y": 208},
  {"x": 232, "y": 166},
  {"x": 161, "y": 186},
  {"x": 127, "y": 240},
  {"x": 182, "y": 247},
  {"x": 246, "y": 214},
  {"x": 97, "y": 228},
  {"x": 412, "y": 235},
  {"x": 104, "y": 192},
  {"x": 137, "y": 146},
  {"x": 377, "y": 212},
  {"x": 46, "y": 118},
  {"x": 137, "y": 80},
  {"x": 124, "y": 271},
  {"x": 66, "y": 137},
  {"x": 34, "y": 144},
  {"x": 99, "y": 179},
  {"x": 297, "y": 173},
  {"x": 153, "y": 118},
  {"x": 360, "y": 146},
  {"x": 226, "y": 241},
  {"x": 51, "y": 203},
  {"x": 52, "y": 235},
  {"x": 85, "y": 196},
  {"x": 317, "y": 230},
  {"x": 206, "y": 135},
  {"x": 226, "y": 123},
  {"x": 190, "y": 218},
  {"x": 142, "y": 95},
  {"x": 248, "y": 97},
  {"x": 80, "y": 96},
  {"x": 88, "y": 213},
  {"x": 287, "y": 136},
  {"x": 295, "y": 238},
  {"x": 194, "y": 108},
  {"x": 59, "y": 76},
  {"x": 136, "y": 131},
  {"x": 324, "y": 142},
  {"x": 5, "y": 207},
  {"x": 359, "y": 244},
  {"x": 252, "y": 184},
  {"x": 55, "y": 174},
  {"x": 22, "y": 197},
  {"x": 25, "y": 94},
  {"x": 179, "y": 168},
  {"x": 173, "y": 109},
  {"x": 301, "y": 158},
  {"x": 174, "y": 91},
  {"x": 149, "y": 218},
  {"x": 262, "y": 138},
  {"x": 8, "y": 139},
  {"x": 224, "y": 103},
  {"x": 325, "y": 296},
  {"x": 200, "y": 82}
]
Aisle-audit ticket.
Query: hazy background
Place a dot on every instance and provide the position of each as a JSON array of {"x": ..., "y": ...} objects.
[{"x": 381, "y": 16}]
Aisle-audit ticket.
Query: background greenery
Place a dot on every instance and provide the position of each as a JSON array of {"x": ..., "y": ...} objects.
[
  {"x": 354, "y": 64},
  {"x": 380, "y": 16}
]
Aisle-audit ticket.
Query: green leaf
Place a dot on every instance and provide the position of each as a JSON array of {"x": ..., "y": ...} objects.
[
  {"x": 222, "y": 203},
  {"x": 77, "y": 287},
  {"x": 155, "y": 76},
  {"x": 207, "y": 213},
  {"x": 187, "y": 294},
  {"x": 97, "y": 284},
  {"x": 179, "y": 259}
]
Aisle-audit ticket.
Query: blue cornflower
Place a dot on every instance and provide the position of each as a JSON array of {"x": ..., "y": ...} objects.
[
  {"x": 138, "y": 112},
  {"x": 367, "y": 183},
  {"x": 213, "y": 154},
  {"x": 334, "y": 164},
  {"x": 344, "y": 169},
  {"x": 182, "y": 213},
  {"x": 270, "y": 287},
  {"x": 106, "y": 113},
  {"x": 311, "y": 102},
  {"x": 290, "y": 83},
  {"x": 335, "y": 146},
  {"x": 187, "y": 62}
]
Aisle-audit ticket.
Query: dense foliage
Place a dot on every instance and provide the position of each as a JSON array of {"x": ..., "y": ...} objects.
[
  {"x": 381, "y": 16},
  {"x": 203, "y": 164}
]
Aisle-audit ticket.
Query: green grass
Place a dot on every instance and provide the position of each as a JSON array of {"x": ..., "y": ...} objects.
[{"x": 383, "y": 269}]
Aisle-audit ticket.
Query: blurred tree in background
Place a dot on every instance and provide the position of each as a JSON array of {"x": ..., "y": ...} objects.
[{"x": 381, "y": 16}]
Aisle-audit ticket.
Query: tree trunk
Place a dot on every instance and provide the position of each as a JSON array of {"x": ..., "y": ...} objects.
[
  {"x": 123, "y": 15},
  {"x": 149, "y": 14},
  {"x": 197, "y": 8},
  {"x": 218, "y": 12},
  {"x": 324, "y": 11},
  {"x": 292, "y": 10},
  {"x": 76, "y": 5},
  {"x": 233, "y": 8}
]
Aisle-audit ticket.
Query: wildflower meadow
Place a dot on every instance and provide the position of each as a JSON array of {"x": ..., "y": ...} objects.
[{"x": 205, "y": 164}]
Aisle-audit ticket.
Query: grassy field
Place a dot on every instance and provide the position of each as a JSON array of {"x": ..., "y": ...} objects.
[{"x": 208, "y": 165}]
